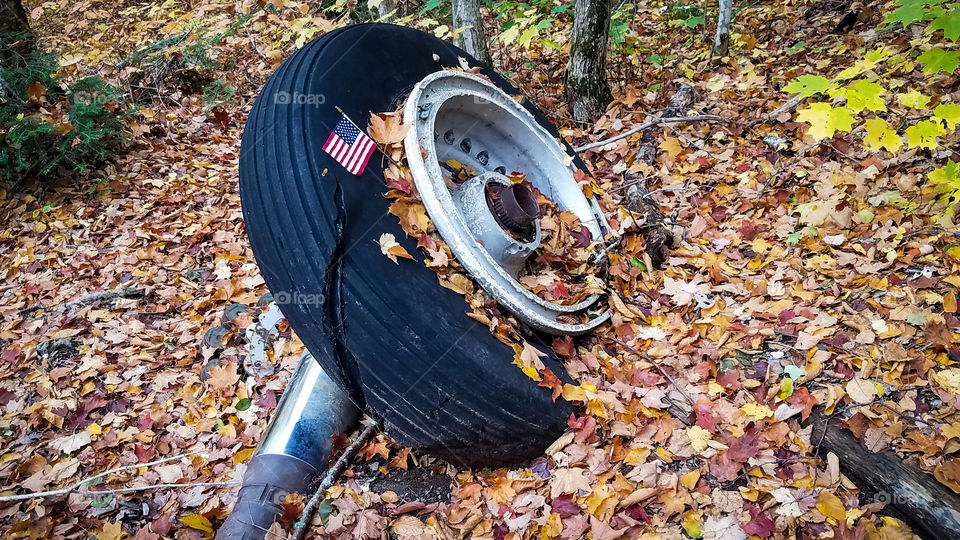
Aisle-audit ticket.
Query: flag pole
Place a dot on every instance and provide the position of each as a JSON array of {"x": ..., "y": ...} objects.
[{"x": 375, "y": 143}]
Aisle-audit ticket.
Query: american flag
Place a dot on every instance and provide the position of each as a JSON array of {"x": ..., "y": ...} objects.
[{"x": 349, "y": 146}]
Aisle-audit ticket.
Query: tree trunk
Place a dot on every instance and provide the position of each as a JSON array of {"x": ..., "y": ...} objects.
[
  {"x": 13, "y": 18},
  {"x": 586, "y": 79},
  {"x": 721, "y": 42},
  {"x": 15, "y": 37},
  {"x": 469, "y": 25},
  {"x": 387, "y": 10}
]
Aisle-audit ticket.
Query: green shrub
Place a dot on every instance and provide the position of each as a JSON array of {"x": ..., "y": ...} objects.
[{"x": 46, "y": 125}]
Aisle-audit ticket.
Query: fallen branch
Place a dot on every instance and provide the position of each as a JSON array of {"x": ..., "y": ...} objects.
[
  {"x": 111, "y": 294},
  {"x": 657, "y": 238},
  {"x": 341, "y": 465},
  {"x": 75, "y": 487},
  {"x": 789, "y": 106},
  {"x": 650, "y": 124},
  {"x": 656, "y": 366},
  {"x": 931, "y": 509}
]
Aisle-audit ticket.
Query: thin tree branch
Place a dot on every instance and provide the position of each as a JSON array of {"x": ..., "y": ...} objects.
[
  {"x": 789, "y": 106},
  {"x": 75, "y": 487},
  {"x": 650, "y": 124},
  {"x": 341, "y": 464},
  {"x": 655, "y": 366}
]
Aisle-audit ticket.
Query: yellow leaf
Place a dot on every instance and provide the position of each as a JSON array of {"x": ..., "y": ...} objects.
[
  {"x": 198, "y": 522},
  {"x": 573, "y": 393},
  {"x": 114, "y": 531},
  {"x": 863, "y": 95},
  {"x": 949, "y": 380},
  {"x": 913, "y": 99},
  {"x": 879, "y": 135},
  {"x": 636, "y": 456},
  {"x": 243, "y": 455},
  {"x": 831, "y": 506},
  {"x": 672, "y": 146},
  {"x": 552, "y": 528},
  {"x": 825, "y": 120},
  {"x": 665, "y": 454},
  {"x": 699, "y": 438},
  {"x": 94, "y": 429},
  {"x": 758, "y": 412},
  {"x": 690, "y": 479},
  {"x": 950, "y": 302},
  {"x": 595, "y": 408},
  {"x": 924, "y": 134},
  {"x": 949, "y": 113},
  {"x": 532, "y": 372}
]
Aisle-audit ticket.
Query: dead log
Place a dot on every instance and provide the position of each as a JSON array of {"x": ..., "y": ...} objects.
[
  {"x": 931, "y": 509},
  {"x": 636, "y": 198}
]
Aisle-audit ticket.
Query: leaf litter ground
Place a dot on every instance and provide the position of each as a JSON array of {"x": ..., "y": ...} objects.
[{"x": 804, "y": 274}]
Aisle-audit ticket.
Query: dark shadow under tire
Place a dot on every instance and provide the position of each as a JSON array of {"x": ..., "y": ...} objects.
[{"x": 401, "y": 343}]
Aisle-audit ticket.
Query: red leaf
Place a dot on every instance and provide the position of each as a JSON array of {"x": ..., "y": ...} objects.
[
  {"x": 581, "y": 237},
  {"x": 730, "y": 379},
  {"x": 565, "y": 506},
  {"x": 637, "y": 512},
  {"x": 560, "y": 290},
  {"x": 161, "y": 525},
  {"x": 144, "y": 454},
  {"x": 705, "y": 417},
  {"x": 551, "y": 381},
  {"x": 221, "y": 118},
  {"x": 743, "y": 448},
  {"x": 564, "y": 346},
  {"x": 759, "y": 523}
]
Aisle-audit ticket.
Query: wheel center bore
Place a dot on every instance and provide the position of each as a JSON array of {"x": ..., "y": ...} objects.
[{"x": 515, "y": 208}]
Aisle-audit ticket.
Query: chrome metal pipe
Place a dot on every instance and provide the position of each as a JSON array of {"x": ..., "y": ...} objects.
[{"x": 294, "y": 452}]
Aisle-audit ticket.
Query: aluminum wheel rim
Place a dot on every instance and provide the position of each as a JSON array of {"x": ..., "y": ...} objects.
[{"x": 500, "y": 136}]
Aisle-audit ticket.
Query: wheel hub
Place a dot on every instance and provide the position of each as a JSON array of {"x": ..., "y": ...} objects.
[{"x": 489, "y": 222}]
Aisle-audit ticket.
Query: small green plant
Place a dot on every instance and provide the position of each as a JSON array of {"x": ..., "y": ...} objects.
[
  {"x": 46, "y": 125},
  {"x": 217, "y": 94}
]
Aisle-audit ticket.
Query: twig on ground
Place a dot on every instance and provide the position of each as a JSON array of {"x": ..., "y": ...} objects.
[
  {"x": 335, "y": 471},
  {"x": 650, "y": 124},
  {"x": 75, "y": 487},
  {"x": 110, "y": 294},
  {"x": 253, "y": 42},
  {"x": 789, "y": 106},
  {"x": 655, "y": 366}
]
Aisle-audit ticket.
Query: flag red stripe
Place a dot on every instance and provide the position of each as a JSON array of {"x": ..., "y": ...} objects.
[
  {"x": 341, "y": 151},
  {"x": 358, "y": 150},
  {"x": 362, "y": 155},
  {"x": 363, "y": 165},
  {"x": 331, "y": 138}
]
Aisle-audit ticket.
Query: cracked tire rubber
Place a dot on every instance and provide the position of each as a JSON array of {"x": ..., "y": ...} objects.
[{"x": 390, "y": 333}]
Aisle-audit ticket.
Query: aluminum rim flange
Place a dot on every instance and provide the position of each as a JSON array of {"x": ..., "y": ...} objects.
[{"x": 456, "y": 115}]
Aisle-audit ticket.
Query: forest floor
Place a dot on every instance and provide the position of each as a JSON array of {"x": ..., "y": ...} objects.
[{"x": 806, "y": 273}]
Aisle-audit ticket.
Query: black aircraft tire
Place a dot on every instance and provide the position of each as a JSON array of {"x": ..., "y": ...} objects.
[{"x": 389, "y": 332}]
